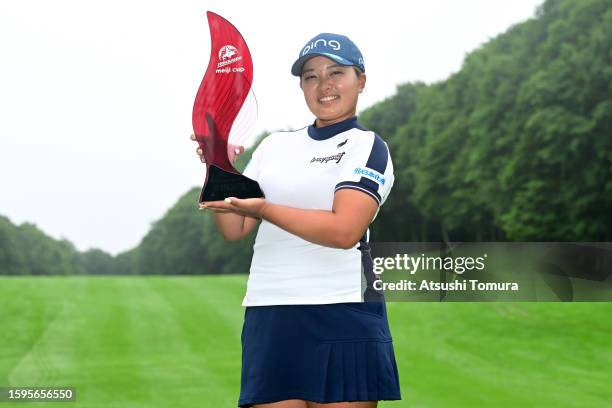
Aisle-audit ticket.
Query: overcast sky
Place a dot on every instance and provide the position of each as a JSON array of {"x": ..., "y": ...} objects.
[{"x": 96, "y": 97}]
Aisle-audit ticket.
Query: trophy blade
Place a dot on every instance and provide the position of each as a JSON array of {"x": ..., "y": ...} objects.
[{"x": 222, "y": 92}]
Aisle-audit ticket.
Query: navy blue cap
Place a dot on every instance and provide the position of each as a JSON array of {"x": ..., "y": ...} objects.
[{"x": 337, "y": 47}]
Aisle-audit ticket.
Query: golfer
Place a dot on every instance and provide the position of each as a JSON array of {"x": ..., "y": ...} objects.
[{"x": 315, "y": 332}]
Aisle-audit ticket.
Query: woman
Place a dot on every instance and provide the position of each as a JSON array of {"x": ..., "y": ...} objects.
[{"x": 315, "y": 332}]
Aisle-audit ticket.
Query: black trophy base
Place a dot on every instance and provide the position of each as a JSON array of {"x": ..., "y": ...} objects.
[{"x": 222, "y": 184}]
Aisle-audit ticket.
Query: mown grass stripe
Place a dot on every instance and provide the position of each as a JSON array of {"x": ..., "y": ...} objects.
[{"x": 175, "y": 341}]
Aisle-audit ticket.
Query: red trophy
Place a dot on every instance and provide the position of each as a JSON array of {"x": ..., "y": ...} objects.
[{"x": 224, "y": 111}]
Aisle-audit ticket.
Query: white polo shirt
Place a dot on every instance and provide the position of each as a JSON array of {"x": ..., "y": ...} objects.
[{"x": 303, "y": 169}]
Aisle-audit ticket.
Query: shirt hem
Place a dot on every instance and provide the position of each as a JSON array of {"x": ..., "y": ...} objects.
[{"x": 305, "y": 301}]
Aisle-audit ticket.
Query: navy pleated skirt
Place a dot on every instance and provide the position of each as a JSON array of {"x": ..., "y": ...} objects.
[{"x": 323, "y": 353}]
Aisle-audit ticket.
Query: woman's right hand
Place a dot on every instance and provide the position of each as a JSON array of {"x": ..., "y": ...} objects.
[{"x": 232, "y": 151}]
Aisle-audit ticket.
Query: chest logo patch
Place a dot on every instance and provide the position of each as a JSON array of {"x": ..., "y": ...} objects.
[
  {"x": 337, "y": 157},
  {"x": 342, "y": 144}
]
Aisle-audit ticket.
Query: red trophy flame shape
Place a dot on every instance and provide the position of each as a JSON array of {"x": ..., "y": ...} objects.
[{"x": 219, "y": 101}]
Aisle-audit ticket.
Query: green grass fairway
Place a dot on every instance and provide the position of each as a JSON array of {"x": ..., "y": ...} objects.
[{"x": 175, "y": 342}]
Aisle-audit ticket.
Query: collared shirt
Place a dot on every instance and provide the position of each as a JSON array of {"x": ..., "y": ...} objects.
[{"x": 304, "y": 169}]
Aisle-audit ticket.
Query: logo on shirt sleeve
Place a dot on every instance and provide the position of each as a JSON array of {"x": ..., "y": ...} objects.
[{"x": 371, "y": 174}]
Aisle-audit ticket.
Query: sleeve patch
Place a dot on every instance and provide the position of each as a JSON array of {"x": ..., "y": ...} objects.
[{"x": 371, "y": 174}]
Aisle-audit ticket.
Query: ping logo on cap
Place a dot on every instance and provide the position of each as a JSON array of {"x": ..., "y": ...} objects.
[
  {"x": 336, "y": 47},
  {"x": 333, "y": 44}
]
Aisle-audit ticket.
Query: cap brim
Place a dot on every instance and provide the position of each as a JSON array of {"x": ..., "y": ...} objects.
[{"x": 296, "y": 69}]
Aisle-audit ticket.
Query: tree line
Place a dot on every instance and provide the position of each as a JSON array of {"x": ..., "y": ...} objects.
[{"x": 515, "y": 146}]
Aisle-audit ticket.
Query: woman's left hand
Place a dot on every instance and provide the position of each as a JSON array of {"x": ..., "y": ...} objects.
[{"x": 252, "y": 207}]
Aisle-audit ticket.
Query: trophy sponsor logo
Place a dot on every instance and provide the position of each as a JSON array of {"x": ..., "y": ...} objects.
[
  {"x": 228, "y": 54},
  {"x": 228, "y": 70}
]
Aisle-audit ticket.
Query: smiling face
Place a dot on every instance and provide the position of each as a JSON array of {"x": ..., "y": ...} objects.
[{"x": 330, "y": 90}]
